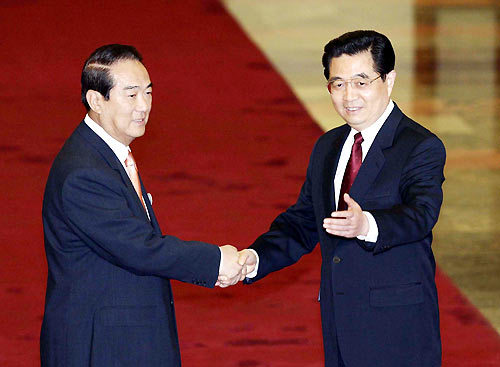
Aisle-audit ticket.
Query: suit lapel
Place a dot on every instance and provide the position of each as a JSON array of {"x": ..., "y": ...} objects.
[
  {"x": 330, "y": 167},
  {"x": 110, "y": 157},
  {"x": 375, "y": 159},
  {"x": 152, "y": 216}
]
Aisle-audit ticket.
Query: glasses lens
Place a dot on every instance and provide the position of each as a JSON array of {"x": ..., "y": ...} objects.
[
  {"x": 360, "y": 83},
  {"x": 335, "y": 85}
]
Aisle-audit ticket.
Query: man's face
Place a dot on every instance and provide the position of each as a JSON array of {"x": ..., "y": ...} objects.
[
  {"x": 125, "y": 115},
  {"x": 359, "y": 106}
]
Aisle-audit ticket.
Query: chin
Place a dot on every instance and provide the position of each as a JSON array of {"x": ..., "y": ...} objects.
[
  {"x": 353, "y": 122},
  {"x": 138, "y": 133}
]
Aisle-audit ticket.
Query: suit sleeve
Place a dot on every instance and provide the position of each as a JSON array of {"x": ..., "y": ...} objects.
[
  {"x": 97, "y": 210},
  {"x": 421, "y": 197},
  {"x": 291, "y": 235}
]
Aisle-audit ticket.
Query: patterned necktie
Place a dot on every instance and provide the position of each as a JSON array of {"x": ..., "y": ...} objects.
[
  {"x": 351, "y": 170},
  {"x": 133, "y": 173}
]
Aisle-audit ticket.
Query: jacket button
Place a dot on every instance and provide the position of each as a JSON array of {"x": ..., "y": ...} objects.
[{"x": 336, "y": 259}]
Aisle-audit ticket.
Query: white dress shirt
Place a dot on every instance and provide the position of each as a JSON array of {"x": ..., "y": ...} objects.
[{"x": 369, "y": 135}]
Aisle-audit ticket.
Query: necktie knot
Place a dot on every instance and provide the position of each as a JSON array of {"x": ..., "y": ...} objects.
[
  {"x": 129, "y": 161},
  {"x": 358, "y": 138}
]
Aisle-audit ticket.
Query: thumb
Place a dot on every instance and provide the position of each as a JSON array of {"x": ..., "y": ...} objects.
[
  {"x": 351, "y": 204},
  {"x": 242, "y": 258}
]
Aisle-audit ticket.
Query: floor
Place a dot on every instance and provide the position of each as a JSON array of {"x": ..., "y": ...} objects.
[{"x": 448, "y": 79}]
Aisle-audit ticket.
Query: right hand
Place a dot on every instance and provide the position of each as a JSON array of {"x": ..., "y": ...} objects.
[{"x": 230, "y": 271}]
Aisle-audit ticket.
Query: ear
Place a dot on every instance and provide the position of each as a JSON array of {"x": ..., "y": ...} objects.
[
  {"x": 390, "y": 79},
  {"x": 95, "y": 100}
]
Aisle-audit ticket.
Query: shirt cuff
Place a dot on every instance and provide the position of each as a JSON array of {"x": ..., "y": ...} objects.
[
  {"x": 253, "y": 274},
  {"x": 372, "y": 234},
  {"x": 221, "y": 255}
]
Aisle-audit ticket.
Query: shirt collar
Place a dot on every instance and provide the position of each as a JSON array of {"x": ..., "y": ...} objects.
[
  {"x": 371, "y": 131},
  {"x": 120, "y": 150}
]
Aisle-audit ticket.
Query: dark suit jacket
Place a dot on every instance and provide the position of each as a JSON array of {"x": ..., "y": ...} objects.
[
  {"x": 109, "y": 301},
  {"x": 378, "y": 300}
]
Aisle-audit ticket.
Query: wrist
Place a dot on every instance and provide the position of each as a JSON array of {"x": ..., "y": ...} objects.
[{"x": 366, "y": 225}]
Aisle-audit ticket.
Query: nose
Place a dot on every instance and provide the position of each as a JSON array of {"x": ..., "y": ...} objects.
[
  {"x": 349, "y": 91},
  {"x": 143, "y": 103}
]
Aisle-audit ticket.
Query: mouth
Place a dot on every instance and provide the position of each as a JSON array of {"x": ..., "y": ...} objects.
[
  {"x": 140, "y": 121},
  {"x": 352, "y": 109}
]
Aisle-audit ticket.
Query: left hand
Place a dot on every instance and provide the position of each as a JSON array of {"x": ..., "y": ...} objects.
[{"x": 348, "y": 223}]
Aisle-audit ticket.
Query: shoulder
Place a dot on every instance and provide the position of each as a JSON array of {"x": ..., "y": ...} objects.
[
  {"x": 77, "y": 156},
  {"x": 414, "y": 141},
  {"x": 331, "y": 136},
  {"x": 411, "y": 133}
]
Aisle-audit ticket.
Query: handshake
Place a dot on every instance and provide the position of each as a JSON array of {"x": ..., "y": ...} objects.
[{"x": 235, "y": 265}]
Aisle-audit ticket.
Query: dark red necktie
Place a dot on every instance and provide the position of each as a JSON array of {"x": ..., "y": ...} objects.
[{"x": 351, "y": 171}]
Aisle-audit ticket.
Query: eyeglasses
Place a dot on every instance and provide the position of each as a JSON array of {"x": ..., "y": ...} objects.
[{"x": 360, "y": 83}]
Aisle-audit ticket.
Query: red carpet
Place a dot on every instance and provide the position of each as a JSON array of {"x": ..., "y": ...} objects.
[{"x": 226, "y": 149}]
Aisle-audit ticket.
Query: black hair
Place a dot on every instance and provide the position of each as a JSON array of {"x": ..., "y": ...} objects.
[
  {"x": 355, "y": 42},
  {"x": 95, "y": 73}
]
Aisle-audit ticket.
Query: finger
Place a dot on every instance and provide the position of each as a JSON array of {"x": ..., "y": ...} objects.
[
  {"x": 242, "y": 259},
  {"x": 236, "y": 274},
  {"x": 234, "y": 280},
  {"x": 341, "y": 215},
  {"x": 340, "y": 222},
  {"x": 251, "y": 260},
  {"x": 341, "y": 228},
  {"x": 338, "y": 232},
  {"x": 335, "y": 221},
  {"x": 244, "y": 273},
  {"x": 347, "y": 234},
  {"x": 344, "y": 225}
]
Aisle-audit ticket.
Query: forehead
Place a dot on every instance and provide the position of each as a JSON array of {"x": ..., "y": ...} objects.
[
  {"x": 129, "y": 73},
  {"x": 346, "y": 66}
]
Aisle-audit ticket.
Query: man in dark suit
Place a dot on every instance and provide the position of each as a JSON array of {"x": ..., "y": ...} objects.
[
  {"x": 371, "y": 198},
  {"x": 109, "y": 301}
]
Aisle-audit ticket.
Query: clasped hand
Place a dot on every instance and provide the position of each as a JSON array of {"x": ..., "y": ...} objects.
[{"x": 235, "y": 265}]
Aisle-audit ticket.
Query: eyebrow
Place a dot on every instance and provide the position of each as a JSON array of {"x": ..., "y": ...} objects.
[
  {"x": 150, "y": 85},
  {"x": 360, "y": 75}
]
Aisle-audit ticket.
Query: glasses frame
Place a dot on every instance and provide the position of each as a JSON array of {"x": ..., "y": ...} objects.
[{"x": 350, "y": 81}]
